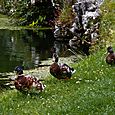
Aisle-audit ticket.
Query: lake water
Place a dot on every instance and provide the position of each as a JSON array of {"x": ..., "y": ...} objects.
[{"x": 26, "y": 47}]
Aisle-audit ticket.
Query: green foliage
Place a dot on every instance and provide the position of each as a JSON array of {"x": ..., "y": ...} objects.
[
  {"x": 33, "y": 24},
  {"x": 38, "y": 22},
  {"x": 25, "y": 13},
  {"x": 67, "y": 16}
]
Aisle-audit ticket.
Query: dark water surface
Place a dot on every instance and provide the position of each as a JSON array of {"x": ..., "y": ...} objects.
[{"x": 25, "y": 47}]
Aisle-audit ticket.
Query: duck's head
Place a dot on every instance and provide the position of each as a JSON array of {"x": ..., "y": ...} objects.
[
  {"x": 55, "y": 58},
  {"x": 18, "y": 70},
  {"x": 110, "y": 49}
]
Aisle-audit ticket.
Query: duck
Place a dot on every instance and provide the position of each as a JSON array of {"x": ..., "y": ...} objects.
[
  {"x": 60, "y": 70},
  {"x": 110, "y": 58},
  {"x": 26, "y": 82}
]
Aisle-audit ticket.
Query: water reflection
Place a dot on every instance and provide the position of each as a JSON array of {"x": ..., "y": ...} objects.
[
  {"x": 61, "y": 48},
  {"x": 26, "y": 47}
]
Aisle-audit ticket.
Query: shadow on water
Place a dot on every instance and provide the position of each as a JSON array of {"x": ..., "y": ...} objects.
[{"x": 25, "y": 47}]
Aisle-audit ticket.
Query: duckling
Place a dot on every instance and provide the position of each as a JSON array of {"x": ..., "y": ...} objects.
[
  {"x": 110, "y": 58},
  {"x": 26, "y": 82},
  {"x": 60, "y": 70}
]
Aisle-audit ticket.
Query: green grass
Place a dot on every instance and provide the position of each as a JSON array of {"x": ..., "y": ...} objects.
[
  {"x": 90, "y": 91},
  {"x": 107, "y": 28},
  {"x": 6, "y": 23}
]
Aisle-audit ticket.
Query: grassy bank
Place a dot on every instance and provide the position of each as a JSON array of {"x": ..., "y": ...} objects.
[
  {"x": 7, "y": 23},
  {"x": 107, "y": 26},
  {"x": 91, "y": 91},
  {"x": 4, "y": 21}
]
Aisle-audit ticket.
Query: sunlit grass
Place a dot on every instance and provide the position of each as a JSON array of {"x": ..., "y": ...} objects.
[
  {"x": 90, "y": 91},
  {"x": 6, "y": 23}
]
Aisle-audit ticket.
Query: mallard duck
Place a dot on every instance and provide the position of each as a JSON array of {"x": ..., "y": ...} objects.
[
  {"x": 110, "y": 58},
  {"x": 60, "y": 70},
  {"x": 26, "y": 82}
]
